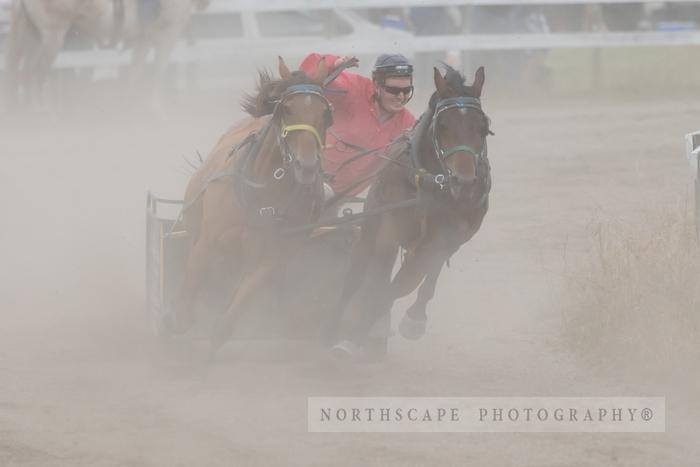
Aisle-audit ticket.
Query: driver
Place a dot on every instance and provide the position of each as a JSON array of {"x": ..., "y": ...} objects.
[{"x": 368, "y": 114}]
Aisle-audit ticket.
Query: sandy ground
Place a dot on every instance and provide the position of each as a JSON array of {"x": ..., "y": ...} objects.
[{"x": 83, "y": 384}]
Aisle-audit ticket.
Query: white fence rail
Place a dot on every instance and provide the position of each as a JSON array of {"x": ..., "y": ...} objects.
[
  {"x": 281, "y": 5},
  {"x": 207, "y": 51},
  {"x": 692, "y": 152},
  {"x": 226, "y": 49}
]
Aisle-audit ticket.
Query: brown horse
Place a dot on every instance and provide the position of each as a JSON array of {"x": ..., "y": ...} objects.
[
  {"x": 443, "y": 165},
  {"x": 39, "y": 29},
  {"x": 253, "y": 185}
]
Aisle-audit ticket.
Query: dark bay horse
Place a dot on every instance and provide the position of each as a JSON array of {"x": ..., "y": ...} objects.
[
  {"x": 262, "y": 176},
  {"x": 443, "y": 165}
]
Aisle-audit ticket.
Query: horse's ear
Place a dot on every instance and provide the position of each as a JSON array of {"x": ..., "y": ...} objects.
[
  {"x": 285, "y": 74},
  {"x": 479, "y": 79},
  {"x": 321, "y": 72},
  {"x": 440, "y": 83}
]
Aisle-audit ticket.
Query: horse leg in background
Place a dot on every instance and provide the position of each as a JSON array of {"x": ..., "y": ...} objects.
[
  {"x": 137, "y": 71},
  {"x": 41, "y": 62},
  {"x": 164, "y": 45},
  {"x": 23, "y": 40}
]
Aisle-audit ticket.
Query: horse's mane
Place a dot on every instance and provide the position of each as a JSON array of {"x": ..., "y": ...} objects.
[
  {"x": 268, "y": 91},
  {"x": 457, "y": 83}
]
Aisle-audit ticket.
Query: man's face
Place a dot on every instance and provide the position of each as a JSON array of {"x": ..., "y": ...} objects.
[{"x": 392, "y": 103}]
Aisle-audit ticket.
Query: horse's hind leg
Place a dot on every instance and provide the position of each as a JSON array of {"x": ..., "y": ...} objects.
[
  {"x": 375, "y": 305},
  {"x": 361, "y": 256},
  {"x": 371, "y": 301}
]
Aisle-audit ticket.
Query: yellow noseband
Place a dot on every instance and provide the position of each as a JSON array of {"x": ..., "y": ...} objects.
[{"x": 303, "y": 127}]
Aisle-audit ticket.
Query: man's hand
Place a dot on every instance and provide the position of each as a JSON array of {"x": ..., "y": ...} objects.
[{"x": 346, "y": 58}]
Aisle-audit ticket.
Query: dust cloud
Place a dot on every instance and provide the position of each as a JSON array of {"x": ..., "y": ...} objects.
[{"x": 84, "y": 383}]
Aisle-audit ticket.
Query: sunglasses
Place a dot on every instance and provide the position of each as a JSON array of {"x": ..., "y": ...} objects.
[{"x": 395, "y": 91}]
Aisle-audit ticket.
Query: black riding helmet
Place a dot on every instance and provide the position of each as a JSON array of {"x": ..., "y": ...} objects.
[{"x": 388, "y": 65}]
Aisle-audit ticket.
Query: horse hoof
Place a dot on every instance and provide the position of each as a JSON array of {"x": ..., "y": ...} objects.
[
  {"x": 174, "y": 324},
  {"x": 344, "y": 350},
  {"x": 412, "y": 328},
  {"x": 220, "y": 335}
]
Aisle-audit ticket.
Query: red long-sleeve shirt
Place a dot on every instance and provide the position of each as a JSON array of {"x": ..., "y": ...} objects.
[{"x": 356, "y": 121}]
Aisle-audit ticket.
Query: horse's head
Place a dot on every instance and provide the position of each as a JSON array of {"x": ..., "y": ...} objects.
[
  {"x": 303, "y": 115},
  {"x": 300, "y": 116},
  {"x": 459, "y": 127}
]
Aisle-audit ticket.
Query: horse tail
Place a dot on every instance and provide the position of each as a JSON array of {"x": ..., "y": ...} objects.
[{"x": 201, "y": 4}]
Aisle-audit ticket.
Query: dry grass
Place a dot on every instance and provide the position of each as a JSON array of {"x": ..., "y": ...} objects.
[{"x": 636, "y": 299}]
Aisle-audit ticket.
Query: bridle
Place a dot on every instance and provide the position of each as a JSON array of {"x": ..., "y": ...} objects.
[
  {"x": 289, "y": 159},
  {"x": 443, "y": 154}
]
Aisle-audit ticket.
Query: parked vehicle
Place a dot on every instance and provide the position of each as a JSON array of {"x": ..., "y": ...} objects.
[{"x": 222, "y": 36}]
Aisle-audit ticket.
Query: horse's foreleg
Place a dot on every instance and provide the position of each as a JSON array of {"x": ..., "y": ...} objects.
[
  {"x": 199, "y": 260},
  {"x": 250, "y": 284},
  {"x": 412, "y": 325},
  {"x": 412, "y": 272}
]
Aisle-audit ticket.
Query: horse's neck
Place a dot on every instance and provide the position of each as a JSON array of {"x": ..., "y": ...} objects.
[
  {"x": 269, "y": 156},
  {"x": 426, "y": 157}
]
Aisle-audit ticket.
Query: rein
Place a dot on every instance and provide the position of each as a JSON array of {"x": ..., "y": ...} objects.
[
  {"x": 254, "y": 142},
  {"x": 462, "y": 102},
  {"x": 419, "y": 176},
  {"x": 288, "y": 158}
]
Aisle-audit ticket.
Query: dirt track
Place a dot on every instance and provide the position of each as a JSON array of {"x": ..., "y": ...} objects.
[{"x": 82, "y": 383}]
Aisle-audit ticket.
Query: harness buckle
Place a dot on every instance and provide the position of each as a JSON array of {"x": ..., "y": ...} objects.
[
  {"x": 440, "y": 181},
  {"x": 279, "y": 173},
  {"x": 268, "y": 211}
]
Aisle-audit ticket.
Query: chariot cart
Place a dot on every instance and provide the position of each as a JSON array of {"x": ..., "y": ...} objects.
[{"x": 302, "y": 293}]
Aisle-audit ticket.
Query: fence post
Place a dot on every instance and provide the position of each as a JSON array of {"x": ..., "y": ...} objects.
[
  {"x": 697, "y": 195},
  {"x": 692, "y": 152}
]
